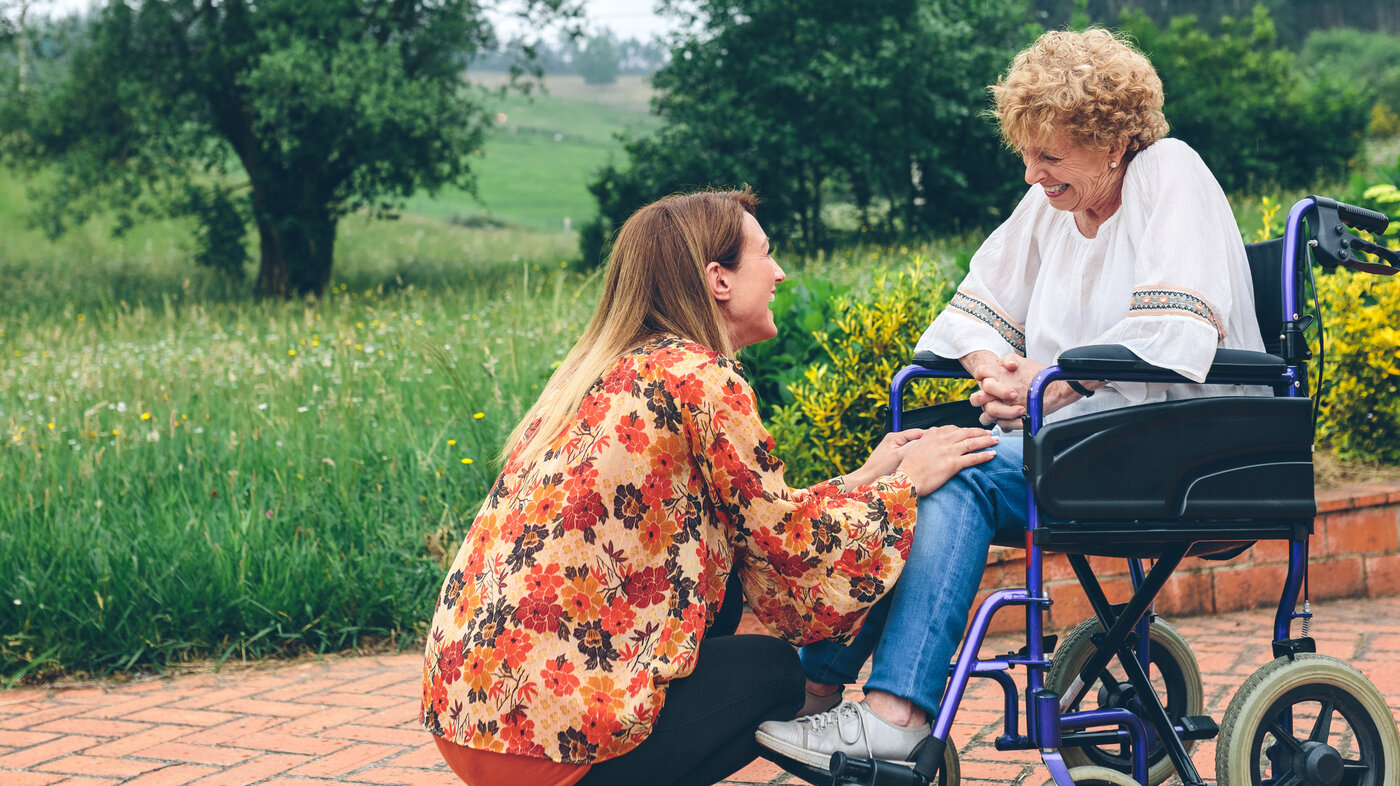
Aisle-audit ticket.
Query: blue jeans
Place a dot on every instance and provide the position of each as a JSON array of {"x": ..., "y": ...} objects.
[{"x": 914, "y": 630}]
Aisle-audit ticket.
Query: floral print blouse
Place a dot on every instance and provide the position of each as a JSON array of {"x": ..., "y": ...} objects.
[{"x": 590, "y": 576}]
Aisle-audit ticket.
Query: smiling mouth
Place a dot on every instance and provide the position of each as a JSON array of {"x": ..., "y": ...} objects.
[{"x": 1056, "y": 190}]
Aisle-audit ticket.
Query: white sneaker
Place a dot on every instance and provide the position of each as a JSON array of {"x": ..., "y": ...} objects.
[{"x": 852, "y": 728}]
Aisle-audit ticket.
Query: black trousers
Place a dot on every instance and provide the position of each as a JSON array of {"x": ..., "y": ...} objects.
[{"x": 705, "y": 731}]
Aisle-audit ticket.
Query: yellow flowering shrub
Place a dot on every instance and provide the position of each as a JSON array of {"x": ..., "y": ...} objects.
[
  {"x": 1360, "y": 416},
  {"x": 839, "y": 405}
]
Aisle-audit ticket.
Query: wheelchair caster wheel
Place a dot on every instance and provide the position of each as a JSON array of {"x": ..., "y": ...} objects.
[
  {"x": 1173, "y": 671},
  {"x": 1313, "y": 721},
  {"x": 1096, "y": 776}
]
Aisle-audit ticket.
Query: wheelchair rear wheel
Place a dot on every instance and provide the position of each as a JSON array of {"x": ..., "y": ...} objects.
[
  {"x": 1173, "y": 671},
  {"x": 1310, "y": 720},
  {"x": 1097, "y": 776}
]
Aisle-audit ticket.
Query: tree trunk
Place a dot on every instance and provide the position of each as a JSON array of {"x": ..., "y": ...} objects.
[{"x": 297, "y": 252}]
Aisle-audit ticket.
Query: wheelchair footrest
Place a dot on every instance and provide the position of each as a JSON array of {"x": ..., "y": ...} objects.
[
  {"x": 1190, "y": 727},
  {"x": 1197, "y": 727}
]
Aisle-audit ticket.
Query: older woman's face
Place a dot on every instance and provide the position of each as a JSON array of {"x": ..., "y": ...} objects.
[{"x": 1074, "y": 178}]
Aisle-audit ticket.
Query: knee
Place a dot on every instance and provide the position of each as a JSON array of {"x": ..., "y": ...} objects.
[{"x": 779, "y": 660}]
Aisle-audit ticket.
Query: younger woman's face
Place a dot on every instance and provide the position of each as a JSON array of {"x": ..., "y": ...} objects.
[{"x": 752, "y": 284}]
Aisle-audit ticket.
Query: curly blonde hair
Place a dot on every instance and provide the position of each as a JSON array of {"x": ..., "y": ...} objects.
[{"x": 1096, "y": 89}]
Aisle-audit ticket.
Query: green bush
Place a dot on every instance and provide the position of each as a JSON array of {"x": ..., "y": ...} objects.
[
  {"x": 1368, "y": 60},
  {"x": 839, "y": 405}
]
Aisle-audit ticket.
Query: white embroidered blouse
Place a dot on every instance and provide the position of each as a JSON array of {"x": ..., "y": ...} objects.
[{"x": 1166, "y": 277}]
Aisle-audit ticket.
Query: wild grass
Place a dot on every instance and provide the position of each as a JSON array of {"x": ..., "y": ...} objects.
[{"x": 238, "y": 479}]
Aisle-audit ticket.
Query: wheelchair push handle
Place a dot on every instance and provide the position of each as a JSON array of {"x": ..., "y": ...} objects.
[
  {"x": 1335, "y": 246},
  {"x": 1372, "y": 221}
]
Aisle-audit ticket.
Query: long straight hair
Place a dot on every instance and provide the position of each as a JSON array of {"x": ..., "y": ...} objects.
[{"x": 655, "y": 285}]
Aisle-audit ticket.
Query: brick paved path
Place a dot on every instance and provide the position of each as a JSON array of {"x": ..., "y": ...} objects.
[{"x": 353, "y": 720}]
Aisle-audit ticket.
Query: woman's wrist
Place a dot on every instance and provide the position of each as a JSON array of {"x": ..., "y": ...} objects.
[{"x": 860, "y": 477}]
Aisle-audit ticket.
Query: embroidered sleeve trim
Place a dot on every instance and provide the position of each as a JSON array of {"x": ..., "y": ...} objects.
[
  {"x": 983, "y": 312},
  {"x": 1159, "y": 300}
]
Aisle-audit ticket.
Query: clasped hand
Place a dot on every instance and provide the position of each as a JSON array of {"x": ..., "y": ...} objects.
[{"x": 1003, "y": 385}]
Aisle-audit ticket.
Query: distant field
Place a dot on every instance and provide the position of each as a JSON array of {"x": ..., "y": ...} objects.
[{"x": 534, "y": 169}]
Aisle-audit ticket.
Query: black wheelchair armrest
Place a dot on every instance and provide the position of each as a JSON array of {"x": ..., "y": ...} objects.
[
  {"x": 1231, "y": 366},
  {"x": 928, "y": 360}
]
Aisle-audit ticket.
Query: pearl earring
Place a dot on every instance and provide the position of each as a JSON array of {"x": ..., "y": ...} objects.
[{"x": 1113, "y": 165}]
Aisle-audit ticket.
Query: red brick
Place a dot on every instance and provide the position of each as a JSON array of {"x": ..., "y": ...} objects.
[
  {"x": 125, "y": 703},
  {"x": 279, "y": 709},
  {"x": 139, "y": 741},
  {"x": 1338, "y": 578},
  {"x": 28, "y": 719},
  {"x": 324, "y": 719},
  {"x": 300, "y": 689},
  {"x": 422, "y": 757},
  {"x": 291, "y": 743},
  {"x": 1266, "y": 552},
  {"x": 173, "y": 775},
  {"x": 186, "y": 753},
  {"x": 1247, "y": 586},
  {"x": 378, "y": 734},
  {"x": 363, "y": 701},
  {"x": 23, "y": 739},
  {"x": 97, "y": 727},
  {"x": 18, "y": 778},
  {"x": 98, "y": 765},
  {"x": 46, "y": 751},
  {"x": 1382, "y": 575},
  {"x": 401, "y": 776},
  {"x": 1004, "y": 621},
  {"x": 1186, "y": 594},
  {"x": 1056, "y": 567},
  {"x": 183, "y": 717},
  {"x": 254, "y": 770},
  {"x": 1367, "y": 531},
  {"x": 233, "y": 730},
  {"x": 82, "y": 781},
  {"x": 356, "y": 757}
]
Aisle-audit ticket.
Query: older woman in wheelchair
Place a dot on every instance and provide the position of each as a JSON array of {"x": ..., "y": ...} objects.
[{"x": 1112, "y": 320}]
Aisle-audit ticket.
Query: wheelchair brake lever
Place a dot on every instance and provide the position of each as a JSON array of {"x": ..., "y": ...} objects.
[{"x": 1366, "y": 246}]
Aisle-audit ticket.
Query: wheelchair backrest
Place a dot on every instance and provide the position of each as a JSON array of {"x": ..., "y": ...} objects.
[{"x": 1266, "y": 270}]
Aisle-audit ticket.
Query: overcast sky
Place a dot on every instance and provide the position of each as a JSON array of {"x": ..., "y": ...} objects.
[{"x": 627, "y": 18}]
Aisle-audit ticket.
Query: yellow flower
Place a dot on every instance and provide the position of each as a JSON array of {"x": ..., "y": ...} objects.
[
  {"x": 479, "y": 415},
  {"x": 50, "y": 426},
  {"x": 466, "y": 461},
  {"x": 145, "y": 416},
  {"x": 291, "y": 352},
  {"x": 116, "y": 431},
  {"x": 451, "y": 442},
  {"x": 80, "y": 317}
]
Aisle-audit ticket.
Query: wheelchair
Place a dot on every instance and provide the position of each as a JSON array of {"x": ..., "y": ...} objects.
[{"x": 1222, "y": 474}]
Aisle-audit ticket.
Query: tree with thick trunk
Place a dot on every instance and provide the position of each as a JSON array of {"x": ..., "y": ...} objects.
[{"x": 279, "y": 115}]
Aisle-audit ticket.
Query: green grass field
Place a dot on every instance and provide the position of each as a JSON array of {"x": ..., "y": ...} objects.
[{"x": 535, "y": 166}]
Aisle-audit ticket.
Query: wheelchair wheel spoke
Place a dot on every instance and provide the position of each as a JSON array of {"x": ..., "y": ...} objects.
[
  {"x": 1284, "y": 737},
  {"x": 1323, "y": 728},
  {"x": 1292, "y": 779}
]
